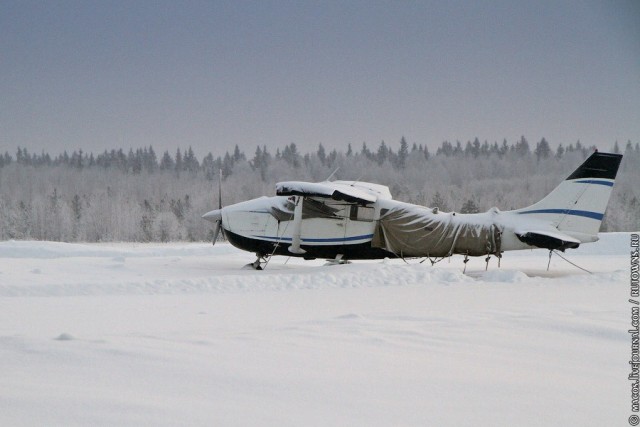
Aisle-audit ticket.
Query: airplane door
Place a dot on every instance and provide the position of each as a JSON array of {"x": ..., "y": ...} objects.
[
  {"x": 326, "y": 230},
  {"x": 359, "y": 224},
  {"x": 324, "y": 223}
]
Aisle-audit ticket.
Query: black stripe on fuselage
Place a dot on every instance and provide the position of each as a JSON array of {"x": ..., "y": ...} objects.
[{"x": 348, "y": 251}]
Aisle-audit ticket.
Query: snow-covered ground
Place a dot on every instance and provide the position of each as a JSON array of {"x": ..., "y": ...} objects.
[{"x": 179, "y": 334}]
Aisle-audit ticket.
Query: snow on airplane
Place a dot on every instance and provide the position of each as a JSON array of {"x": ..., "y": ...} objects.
[{"x": 344, "y": 220}]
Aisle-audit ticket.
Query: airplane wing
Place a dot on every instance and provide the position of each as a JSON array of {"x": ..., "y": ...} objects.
[
  {"x": 547, "y": 239},
  {"x": 329, "y": 190}
]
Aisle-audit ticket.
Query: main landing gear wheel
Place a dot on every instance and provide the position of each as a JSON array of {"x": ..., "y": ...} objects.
[{"x": 339, "y": 260}]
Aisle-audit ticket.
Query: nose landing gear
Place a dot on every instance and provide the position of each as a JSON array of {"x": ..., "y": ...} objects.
[{"x": 260, "y": 263}]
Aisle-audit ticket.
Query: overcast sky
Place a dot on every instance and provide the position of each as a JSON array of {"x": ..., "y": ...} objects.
[{"x": 101, "y": 75}]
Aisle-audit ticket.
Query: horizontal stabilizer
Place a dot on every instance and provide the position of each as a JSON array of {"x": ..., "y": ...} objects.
[{"x": 548, "y": 240}]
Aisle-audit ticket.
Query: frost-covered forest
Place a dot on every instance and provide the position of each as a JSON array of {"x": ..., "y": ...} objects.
[{"x": 140, "y": 195}]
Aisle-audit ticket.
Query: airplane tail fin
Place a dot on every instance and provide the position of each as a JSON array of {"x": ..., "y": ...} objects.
[{"x": 576, "y": 207}]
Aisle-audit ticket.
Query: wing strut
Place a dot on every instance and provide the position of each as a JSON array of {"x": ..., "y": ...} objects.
[{"x": 297, "y": 228}]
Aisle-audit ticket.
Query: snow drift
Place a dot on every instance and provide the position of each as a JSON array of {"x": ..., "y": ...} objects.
[{"x": 178, "y": 334}]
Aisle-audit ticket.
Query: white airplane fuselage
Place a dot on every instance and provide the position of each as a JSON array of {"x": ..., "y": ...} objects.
[
  {"x": 359, "y": 220},
  {"x": 251, "y": 226}
]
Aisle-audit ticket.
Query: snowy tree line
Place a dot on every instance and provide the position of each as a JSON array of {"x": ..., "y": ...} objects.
[{"x": 140, "y": 196}]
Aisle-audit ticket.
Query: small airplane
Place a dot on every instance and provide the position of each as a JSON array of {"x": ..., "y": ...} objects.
[{"x": 351, "y": 220}]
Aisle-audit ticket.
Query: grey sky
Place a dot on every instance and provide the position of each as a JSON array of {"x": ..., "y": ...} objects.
[{"x": 98, "y": 75}]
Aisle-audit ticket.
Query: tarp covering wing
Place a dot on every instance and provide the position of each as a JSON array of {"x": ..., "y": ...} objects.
[{"x": 416, "y": 232}]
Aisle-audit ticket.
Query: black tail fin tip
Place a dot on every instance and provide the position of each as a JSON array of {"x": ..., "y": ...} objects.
[{"x": 598, "y": 165}]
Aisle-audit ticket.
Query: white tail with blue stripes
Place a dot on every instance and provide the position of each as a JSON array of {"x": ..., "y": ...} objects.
[{"x": 576, "y": 207}]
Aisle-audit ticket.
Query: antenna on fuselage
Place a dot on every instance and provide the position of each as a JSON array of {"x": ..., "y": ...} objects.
[
  {"x": 356, "y": 181},
  {"x": 219, "y": 228},
  {"x": 220, "y": 189},
  {"x": 332, "y": 173}
]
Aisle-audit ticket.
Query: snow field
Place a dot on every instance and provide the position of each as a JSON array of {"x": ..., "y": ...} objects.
[{"x": 125, "y": 334}]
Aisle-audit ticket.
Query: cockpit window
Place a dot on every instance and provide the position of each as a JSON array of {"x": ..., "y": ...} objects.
[
  {"x": 361, "y": 213},
  {"x": 313, "y": 208},
  {"x": 322, "y": 208}
]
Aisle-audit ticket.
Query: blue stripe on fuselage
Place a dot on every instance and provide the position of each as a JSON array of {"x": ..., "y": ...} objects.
[
  {"x": 318, "y": 240},
  {"x": 586, "y": 214}
]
